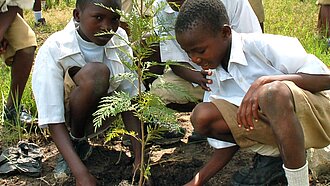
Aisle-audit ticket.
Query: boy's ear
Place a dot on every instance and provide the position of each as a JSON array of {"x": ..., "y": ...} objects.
[
  {"x": 76, "y": 15},
  {"x": 226, "y": 31}
]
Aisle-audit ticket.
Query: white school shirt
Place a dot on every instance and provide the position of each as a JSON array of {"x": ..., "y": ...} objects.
[
  {"x": 255, "y": 55},
  {"x": 23, "y": 4},
  {"x": 60, "y": 52},
  {"x": 252, "y": 56},
  {"x": 241, "y": 17}
]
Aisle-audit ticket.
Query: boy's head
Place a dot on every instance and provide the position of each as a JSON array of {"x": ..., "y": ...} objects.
[
  {"x": 202, "y": 31},
  {"x": 94, "y": 19}
]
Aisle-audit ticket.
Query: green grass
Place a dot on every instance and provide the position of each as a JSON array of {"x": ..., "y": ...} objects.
[
  {"x": 286, "y": 17},
  {"x": 297, "y": 19}
]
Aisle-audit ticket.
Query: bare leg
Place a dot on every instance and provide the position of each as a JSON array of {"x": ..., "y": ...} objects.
[
  {"x": 37, "y": 5},
  {"x": 92, "y": 83},
  {"x": 323, "y": 23},
  {"x": 20, "y": 71},
  {"x": 277, "y": 104},
  {"x": 132, "y": 123},
  {"x": 208, "y": 121}
]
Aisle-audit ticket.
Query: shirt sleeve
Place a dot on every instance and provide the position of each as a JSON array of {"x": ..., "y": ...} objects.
[
  {"x": 288, "y": 55},
  {"x": 48, "y": 86},
  {"x": 164, "y": 22},
  {"x": 23, "y": 4}
]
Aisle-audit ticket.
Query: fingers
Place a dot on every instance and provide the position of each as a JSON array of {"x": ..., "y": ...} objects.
[
  {"x": 248, "y": 112},
  {"x": 206, "y": 72}
]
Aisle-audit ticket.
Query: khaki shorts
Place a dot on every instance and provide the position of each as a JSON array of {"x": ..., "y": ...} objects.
[
  {"x": 258, "y": 9},
  {"x": 323, "y": 2},
  {"x": 69, "y": 86},
  {"x": 19, "y": 35},
  {"x": 313, "y": 111},
  {"x": 173, "y": 96}
]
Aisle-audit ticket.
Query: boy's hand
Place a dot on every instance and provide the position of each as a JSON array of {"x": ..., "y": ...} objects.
[
  {"x": 3, "y": 45},
  {"x": 199, "y": 77},
  {"x": 193, "y": 76},
  {"x": 249, "y": 108}
]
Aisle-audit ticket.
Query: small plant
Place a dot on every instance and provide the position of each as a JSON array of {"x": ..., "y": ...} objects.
[{"x": 155, "y": 117}]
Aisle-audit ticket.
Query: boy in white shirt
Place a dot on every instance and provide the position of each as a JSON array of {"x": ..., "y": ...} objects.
[
  {"x": 266, "y": 92},
  {"x": 17, "y": 51},
  {"x": 74, "y": 69},
  {"x": 191, "y": 78}
]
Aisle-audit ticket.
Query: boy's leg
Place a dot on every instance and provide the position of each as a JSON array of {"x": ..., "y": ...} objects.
[
  {"x": 19, "y": 55},
  {"x": 208, "y": 121},
  {"x": 37, "y": 10},
  {"x": 323, "y": 23},
  {"x": 83, "y": 89},
  {"x": 92, "y": 83},
  {"x": 20, "y": 71},
  {"x": 132, "y": 124},
  {"x": 276, "y": 102}
]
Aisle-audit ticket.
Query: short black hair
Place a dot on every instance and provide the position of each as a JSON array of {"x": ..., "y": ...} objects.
[
  {"x": 81, "y": 4},
  {"x": 211, "y": 14}
]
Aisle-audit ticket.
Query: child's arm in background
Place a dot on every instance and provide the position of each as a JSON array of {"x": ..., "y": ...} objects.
[{"x": 193, "y": 76}]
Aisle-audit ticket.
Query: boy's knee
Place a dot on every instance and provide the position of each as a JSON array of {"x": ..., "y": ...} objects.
[
  {"x": 94, "y": 76},
  {"x": 275, "y": 94},
  {"x": 201, "y": 118},
  {"x": 97, "y": 71}
]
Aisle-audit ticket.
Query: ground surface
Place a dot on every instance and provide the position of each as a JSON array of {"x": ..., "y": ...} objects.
[{"x": 172, "y": 165}]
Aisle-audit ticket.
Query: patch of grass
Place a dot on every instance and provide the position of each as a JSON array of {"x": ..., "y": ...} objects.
[{"x": 297, "y": 18}]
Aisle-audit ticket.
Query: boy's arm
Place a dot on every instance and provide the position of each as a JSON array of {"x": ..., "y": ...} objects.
[
  {"x": 60, "y": 136},
  {"x": 193, "y": 76},
  {"x": 219, "y": 159},
  {"x": 310, "y": 82}
]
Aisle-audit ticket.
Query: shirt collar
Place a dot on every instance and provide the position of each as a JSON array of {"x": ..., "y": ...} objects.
[
  {"x": 236, "y": 53},
  {"x": 70, "y": 45},
  {"x": 168, "y": 9}
]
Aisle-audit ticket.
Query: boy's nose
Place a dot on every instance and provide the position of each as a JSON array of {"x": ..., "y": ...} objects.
[
  {"x": 196, "y": 60},
  {"x": 107, "y": 26}
]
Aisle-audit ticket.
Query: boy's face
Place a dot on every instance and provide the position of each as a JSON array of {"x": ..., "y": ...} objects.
[
  {"x": 94, "y": 19},
  {"x": 208, "y": 50}
]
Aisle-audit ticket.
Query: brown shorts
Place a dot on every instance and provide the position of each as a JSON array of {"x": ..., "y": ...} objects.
[
  {"x": 323, "y": 2},
  {"x": 26, "y": 38},
  {"x": 313, "y": 112}
]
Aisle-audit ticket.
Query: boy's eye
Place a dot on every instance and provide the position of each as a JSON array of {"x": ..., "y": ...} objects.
[
  {"x": 200, "y": 51},
  {"x": 116, "y": 19},
  {"x": 99, "y": 18}
]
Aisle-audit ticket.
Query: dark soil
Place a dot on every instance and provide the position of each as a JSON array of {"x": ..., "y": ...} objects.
[{"x": 171, "y": 165}]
